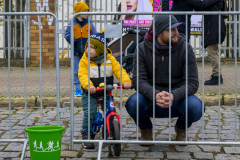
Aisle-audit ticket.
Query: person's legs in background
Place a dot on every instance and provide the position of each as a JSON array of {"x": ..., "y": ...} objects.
[
  {"x": 76, "y": 80},
  {"x": 214, "y": 57}
]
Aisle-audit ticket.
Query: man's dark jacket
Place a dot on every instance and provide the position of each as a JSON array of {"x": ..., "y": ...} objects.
[
  {"x": 211, "y": 22},
  {"x": 178, "y": 65}
]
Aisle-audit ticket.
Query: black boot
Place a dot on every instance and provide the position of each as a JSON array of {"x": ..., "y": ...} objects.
[
  {"x": 213, "y": 80},
  {"x": 87, "y": 145}
]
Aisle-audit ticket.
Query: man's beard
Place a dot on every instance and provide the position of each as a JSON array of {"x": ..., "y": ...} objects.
[{"x": 166, "y": 41}]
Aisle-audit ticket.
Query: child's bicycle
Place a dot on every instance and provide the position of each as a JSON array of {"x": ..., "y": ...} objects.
[{"x": 114, "y": 129}]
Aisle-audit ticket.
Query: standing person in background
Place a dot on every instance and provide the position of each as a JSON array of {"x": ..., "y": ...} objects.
[
  {"x": 182, "y": 5},
  {"x": 211, "y": 33},
  {"x": 80, "y": 39}
]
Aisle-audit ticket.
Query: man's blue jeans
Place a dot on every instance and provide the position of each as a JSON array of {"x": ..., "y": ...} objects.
[{"x": 178, "y": 110}]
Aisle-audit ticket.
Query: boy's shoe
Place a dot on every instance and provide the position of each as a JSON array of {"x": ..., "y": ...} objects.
[
  {"x": 213, "y": 80},
  {"x": 87, "y": 145},
  {"x": 146, "y": 135},
  {"x": 78, "y": 92}
]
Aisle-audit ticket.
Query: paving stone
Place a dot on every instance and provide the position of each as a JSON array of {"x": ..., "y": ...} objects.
[
  {"x": 208, "y": 135},
  {"x": 178, "y": 155},
  {"x": 157, "y": 148},
  {"x": 202, "y": 155},
  {"x": 127, "y": 155},
  {"x": 188, "y": 148},
  {"x": 226, "y": 157},
  {"x": 9, "y": 154},
  {"x": 14, "y": 147},
  {"x": 94, "y": 154},
  {"x": 208, "y": 148},
  {"x": 153, "y": 155},
  {"x": 231, "y": 149},
  {"x": 69, "y": 153},
  {"x": 136, "y": 147},
  {"x": 76, "y": 159},
  {"x": 116, "y": 158},
  {"x": 228, "y": 136},
  {"x": 29, "y": 122},
  {"x": 209, "y": 131}
]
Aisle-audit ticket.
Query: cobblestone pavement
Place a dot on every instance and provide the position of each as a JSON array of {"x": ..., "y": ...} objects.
[
  {"x": 49, "y": 81},
  {"x": 129, "y": 151}
]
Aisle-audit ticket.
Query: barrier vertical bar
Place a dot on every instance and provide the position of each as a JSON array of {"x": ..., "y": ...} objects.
[
  {"x": 203, "y": 56},
  {"x": 25, "y": 71},
  {"x": 100, "y": 15},
  {"x": 15, "y": 30},
  {"x": 229, "y": 27},
  {"x": 72, "y": 80},
  {"x": 104, "y": 102},
  {"x": 121, "y": 84},
  {"x": 89, "y": 78},
  {"x": 40, "y": 63},
  {"x": 62, "y": 29},
  {"x": 154, "y": 41},
  {"x": 219, "y": 73},
  {"x": 9, "y": 80},
  {"x": 170, "y": 76},
  {"x": 67, "y": 24},
  {"x": 56, "y": 41},
  {"x": 95, "y": 14},
  {"x": 21, "y": 30},
  {"x": 186, "y": 76},
  {"x": 238, "y": 31},
  {"x": 4, "y": 18},
  {"x": 137, "y": 80},
  {"x": 235, "y": 53}
]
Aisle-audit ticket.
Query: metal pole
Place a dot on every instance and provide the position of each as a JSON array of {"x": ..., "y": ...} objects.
[
  {"x": 100, "y": 150},
  {"x": 170, "y": 61},
  {"x": 9, "y": 74},
  {"x": 25, "y": 70},
  {"x": 219, "y": 74},
  {"x": 203, "y": 56},
  {"x": 4, "y": 54},
  {"x": 89, "y": 79},
  {"x": 186, "y": 76},
  {"x": 121, "y": 86},
  {"x": 72, "y": 87},
  {"x": 21, "y": 30},
  {"x": 154, "y": 40},
  {"x": 104, "y": 102},
  {"x": 62, "y": 29},
  {"x": 137, "y": 80},
  {"x": 235, "y": 53},
  {"x": 40, "y": 64},
  {"x": 15, "y": 30}
]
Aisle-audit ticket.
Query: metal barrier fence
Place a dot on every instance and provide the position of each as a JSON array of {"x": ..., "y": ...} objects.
[
  {"x": 26, "y": 16},
  {"x": 114, "y": 6},
  {"x": 112, "y": 31}
]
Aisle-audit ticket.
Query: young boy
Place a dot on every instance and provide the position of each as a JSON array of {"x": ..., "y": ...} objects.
[
  {"x": 97, "y": 77},
  {"x": 80, "y": 39}
]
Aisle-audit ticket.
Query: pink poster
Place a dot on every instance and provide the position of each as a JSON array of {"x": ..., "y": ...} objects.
[{"x": 140, "y": 6}]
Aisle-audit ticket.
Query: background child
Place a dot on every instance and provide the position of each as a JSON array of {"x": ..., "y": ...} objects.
[
  {"x": 97, "y": 77},
  {"x": 80, "y": 39}
]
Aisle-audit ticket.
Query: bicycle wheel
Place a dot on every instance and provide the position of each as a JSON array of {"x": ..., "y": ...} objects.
[{"x": 116, "y": 136}]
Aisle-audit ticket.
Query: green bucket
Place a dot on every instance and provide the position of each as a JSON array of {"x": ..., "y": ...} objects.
[{"x": 45, "y": 142}]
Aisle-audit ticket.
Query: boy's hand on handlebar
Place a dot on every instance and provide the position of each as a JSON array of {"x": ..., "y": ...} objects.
[
  {"x": 127, "y": 85},
  {"x": 92, "y": 90}
]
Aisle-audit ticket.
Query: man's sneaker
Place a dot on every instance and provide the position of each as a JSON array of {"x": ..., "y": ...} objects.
[
  {"x": 78, "y": 92},
  {"x": 87, "y": 145},
  {"x": 181, "y": 135},
  {"x": 146, "y": 135},
  {"x": 213, "y": 80}
]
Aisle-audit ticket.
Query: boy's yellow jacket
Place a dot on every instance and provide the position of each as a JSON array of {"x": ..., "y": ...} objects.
[{"x": 97, "y": 72}]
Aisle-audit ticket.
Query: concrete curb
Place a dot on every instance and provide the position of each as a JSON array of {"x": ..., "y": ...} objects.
[{"x": 228, "y": 99}]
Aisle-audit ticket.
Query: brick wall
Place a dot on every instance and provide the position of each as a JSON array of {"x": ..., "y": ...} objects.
[{"x": 47, "y": 33}]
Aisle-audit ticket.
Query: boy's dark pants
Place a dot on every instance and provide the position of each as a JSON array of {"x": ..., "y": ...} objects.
[{"x": 93, "y": 109}]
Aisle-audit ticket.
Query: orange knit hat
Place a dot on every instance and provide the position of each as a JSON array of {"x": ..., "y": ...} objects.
[{"x": 80, "y": 6}]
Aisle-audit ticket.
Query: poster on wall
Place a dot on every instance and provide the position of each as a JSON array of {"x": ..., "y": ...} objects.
[
  {"x": 145, "y": 21},
  {"x": 196, "y": 25}
]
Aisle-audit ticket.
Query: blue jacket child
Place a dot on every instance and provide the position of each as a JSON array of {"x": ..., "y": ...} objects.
[{"x": 80, "y": 39}]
